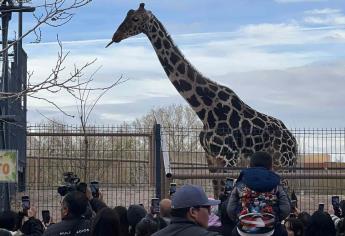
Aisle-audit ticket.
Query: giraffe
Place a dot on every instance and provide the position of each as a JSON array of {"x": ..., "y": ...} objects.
[{"x": 232, "y": 130}]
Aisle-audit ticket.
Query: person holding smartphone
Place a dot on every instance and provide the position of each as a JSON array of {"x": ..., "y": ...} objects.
[
  {"x": 73, "y": 207},
  {"x": 337, "y": 215},
  {"x": 32, "y": 225},
  {"x": 29, "y": 224}
]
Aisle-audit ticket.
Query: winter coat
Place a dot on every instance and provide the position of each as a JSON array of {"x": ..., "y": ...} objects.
[
  {"x": 259, "y": 179},
  {"x": 32, "y": 227},
  {"x": 66, "y": 227},
  {"x": 184, "y": 227}
]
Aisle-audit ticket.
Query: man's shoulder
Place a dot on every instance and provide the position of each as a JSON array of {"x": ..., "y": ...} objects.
[
  {"x": 67, "y": 225},
  {"x": 197, "y": 230},
  {"x": 53, "y": 228},
  {"x": 187, "y": 231}
]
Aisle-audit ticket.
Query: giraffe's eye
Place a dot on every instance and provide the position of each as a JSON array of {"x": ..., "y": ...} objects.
[{"x": 135, "y": 19}]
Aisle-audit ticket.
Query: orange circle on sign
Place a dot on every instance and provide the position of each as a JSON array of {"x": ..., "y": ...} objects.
[{"x": 6, "y": 168}]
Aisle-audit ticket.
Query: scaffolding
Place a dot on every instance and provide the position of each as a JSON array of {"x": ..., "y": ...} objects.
[{"x": 12, "y": 109}]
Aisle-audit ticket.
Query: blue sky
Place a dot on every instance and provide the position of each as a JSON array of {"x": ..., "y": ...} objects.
[{"x": 285, "y": 58}]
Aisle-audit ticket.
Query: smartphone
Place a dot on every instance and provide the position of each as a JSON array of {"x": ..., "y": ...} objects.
[
  {"x": 45, "y": 216},
  {"x": 335, "y": 201},
  {"x": 293, "y": 204},
  {"x": 155, "y": 205},
  {"x": 229, "y": 184},
  {"x": 25, "y": 202},
  {"x": 321, "y": 207},
  {"x": 172, "y": 189},
  {"x": 94, "y": 186}
]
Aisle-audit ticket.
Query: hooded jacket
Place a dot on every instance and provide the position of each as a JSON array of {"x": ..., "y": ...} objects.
[{"x": 259, "y": 179}]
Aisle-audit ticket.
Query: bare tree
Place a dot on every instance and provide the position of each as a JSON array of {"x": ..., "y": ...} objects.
[
  {"x": 54, "y": 82},
  {"x": 53, "y": 13},
  {"x": 50, "y": 13},
  {"x": 174, "y": 120},
  {"x": 85, "y": 106}
]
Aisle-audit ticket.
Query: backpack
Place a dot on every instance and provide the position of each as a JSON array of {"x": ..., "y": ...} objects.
[{"x": 257, "y": 215}]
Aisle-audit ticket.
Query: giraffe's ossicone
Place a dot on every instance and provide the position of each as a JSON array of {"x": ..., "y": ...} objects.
[{"x": 232, "y": 129}]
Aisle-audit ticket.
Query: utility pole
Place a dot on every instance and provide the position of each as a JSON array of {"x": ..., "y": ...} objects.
[{"x": 8, "y": 80}]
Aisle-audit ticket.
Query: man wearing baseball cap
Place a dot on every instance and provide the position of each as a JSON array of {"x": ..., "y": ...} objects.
[{"x": 190, "y": 209}]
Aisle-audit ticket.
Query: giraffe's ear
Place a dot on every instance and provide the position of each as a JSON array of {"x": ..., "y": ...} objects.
[{"x": 142, "y": 6}]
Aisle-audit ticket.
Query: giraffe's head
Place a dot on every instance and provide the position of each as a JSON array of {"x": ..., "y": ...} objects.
[{"x": 134, "y": 23}]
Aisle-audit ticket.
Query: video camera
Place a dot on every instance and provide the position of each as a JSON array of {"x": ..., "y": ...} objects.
[{"x": 72, "y": 183}]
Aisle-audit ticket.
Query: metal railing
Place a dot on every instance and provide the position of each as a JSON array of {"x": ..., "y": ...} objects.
[{"x": 131, "y": 163}]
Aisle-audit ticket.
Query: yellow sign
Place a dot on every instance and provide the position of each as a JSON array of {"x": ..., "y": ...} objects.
[{"x": 8, "y": 166}]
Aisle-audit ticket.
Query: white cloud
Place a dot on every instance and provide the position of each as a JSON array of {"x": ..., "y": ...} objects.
[
  {"x": 327, "y": 20},
  {"x": 324, "y": 11},
  {"x": 326, "y": 16},
  {"x": 115, "y": 117}
]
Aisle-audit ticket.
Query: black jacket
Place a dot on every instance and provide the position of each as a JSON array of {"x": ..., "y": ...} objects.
[
  {"x": 32, "y": 227},
  {"x": 80, "y": 227},
  {"x": 97, "y": 205},
  {"x": 184, "y": 227}
]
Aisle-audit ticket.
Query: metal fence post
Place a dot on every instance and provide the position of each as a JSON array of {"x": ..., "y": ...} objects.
[{"x": 157, "y": 156}]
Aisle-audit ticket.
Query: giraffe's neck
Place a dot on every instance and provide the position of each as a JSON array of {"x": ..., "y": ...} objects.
[{"x": 197, "y": 90}]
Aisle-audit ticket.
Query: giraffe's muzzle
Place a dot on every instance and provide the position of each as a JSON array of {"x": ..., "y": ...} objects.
[{"x": 117, "y": 37}]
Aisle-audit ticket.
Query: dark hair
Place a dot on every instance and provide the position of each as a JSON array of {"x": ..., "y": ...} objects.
[
  {"x": 146, "y": 227},
  {"x": 261, "y": 159},
  {"x": 321, "y": 224},
  {"x": 8, "y": 220},
  {"x": 180, "y": 212},
  {"x": 106, "y": 222},
  {"x": 134, "y": 214},
  {"x": 304, "y": 217},
  {"x": 124, "y": 225},
  {"x": 296, "y": 226},
  {"x": 76, "y": 202}
]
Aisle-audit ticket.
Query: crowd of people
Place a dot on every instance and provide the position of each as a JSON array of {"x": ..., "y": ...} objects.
[{"x": 256, "y": 205}]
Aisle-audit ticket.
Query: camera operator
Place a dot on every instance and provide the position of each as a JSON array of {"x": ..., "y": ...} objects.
[
  {"x": 72, "y": 183},
  {"x": 73, "y": 206}
]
